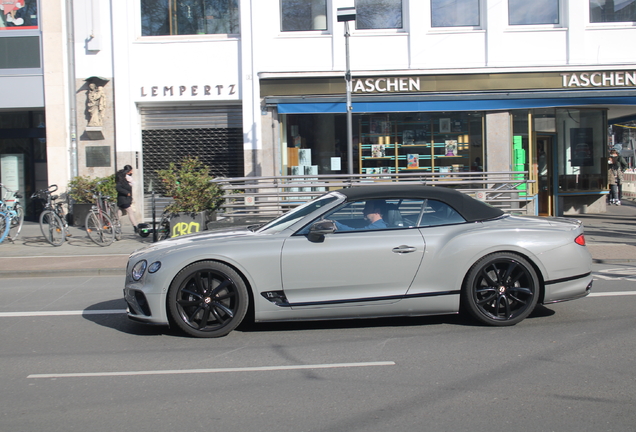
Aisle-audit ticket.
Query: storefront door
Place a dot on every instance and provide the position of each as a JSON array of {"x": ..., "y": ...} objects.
[{"x": 545, "y": 167}]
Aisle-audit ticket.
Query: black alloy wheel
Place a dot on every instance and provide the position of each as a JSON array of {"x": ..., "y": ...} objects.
[
  {"x": 501, "y": 289},
  {"x": 207, "y": 299}
]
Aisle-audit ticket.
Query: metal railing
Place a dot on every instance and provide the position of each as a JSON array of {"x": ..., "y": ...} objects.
[{"x": 272, "y": 196}]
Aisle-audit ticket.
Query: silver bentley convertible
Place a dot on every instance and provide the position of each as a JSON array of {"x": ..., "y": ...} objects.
[{"x": 362, "y": 252}]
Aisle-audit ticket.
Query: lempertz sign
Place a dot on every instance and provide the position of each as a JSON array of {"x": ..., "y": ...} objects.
[{"x": 192, "y": 91}]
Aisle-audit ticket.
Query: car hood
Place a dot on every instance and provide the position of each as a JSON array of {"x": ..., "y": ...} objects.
[{"x": 199, "y": 239}]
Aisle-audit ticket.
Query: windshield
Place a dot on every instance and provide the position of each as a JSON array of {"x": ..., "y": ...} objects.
[{"x": 298, "y": 213}]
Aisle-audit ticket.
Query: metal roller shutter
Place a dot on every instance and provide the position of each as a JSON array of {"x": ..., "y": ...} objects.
[{"x": 212, "y": 133}]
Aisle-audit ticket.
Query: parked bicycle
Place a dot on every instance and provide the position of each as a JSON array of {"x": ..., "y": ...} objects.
[
  {"x": 162, "y": 229},
  {"x": 52, "y": 219},
  {"x": 11, "y": 214},
  {"x": 102, "y": 221}
]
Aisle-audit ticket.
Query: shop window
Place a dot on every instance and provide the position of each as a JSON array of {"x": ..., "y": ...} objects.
[
  {"x": 303, "y": 15},
  {"x": 189, "y": 17},
  {"x": 581, "y": 155},
  {"x": 454, "y": 13},
  {"x": 524, "y": 12},
  {"x": 521, "y": 155},
  {"x": 602, "y": 11},
  {"x": 19, "y": 15},
  {"x": 315, "y": 144},
  {"x": 441, "y": 143},
  {"x": 378, "y": 14}
]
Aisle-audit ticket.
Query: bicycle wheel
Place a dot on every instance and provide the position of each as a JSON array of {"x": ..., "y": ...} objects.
[
  {"x": 4, "y": 226},
  {"x": 163, "y": 230},
  {"x": 114, "y": 216},
  {"x": 16, "y": 223},
  {"x": 100, "y": 228},
  {"x": 52, "y": 228}
]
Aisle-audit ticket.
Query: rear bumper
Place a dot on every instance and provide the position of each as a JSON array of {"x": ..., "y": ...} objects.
[{"x": 567, "y": 289}]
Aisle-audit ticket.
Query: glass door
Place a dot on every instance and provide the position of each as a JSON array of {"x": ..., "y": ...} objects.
[{"x": 545, "y": 167}]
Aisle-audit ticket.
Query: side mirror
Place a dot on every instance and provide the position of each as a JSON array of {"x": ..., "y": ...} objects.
[{"x": 321, "y": 228}]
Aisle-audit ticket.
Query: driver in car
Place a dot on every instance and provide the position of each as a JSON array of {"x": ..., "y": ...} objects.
[{"x": 373, "y": 212}]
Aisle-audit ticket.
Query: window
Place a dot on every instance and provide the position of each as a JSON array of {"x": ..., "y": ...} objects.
[
  {"x": 297, "y": 214},
  {"x": 19, "y": 15},
  {"x": 189, "y": 17},
  {"x": 303, "y": 15},
  {"x": 454, "y": 13},
  {"x": 524, "y": 12},
  {"x": 20, "y": 52},
  {"x": 435, "y": 213},
  {"x": 369, "y": 215},
  {"x": 612, "y": 11},
  {"x": 378, "y": 14}
]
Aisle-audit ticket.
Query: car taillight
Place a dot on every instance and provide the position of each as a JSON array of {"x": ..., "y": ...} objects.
[{"x": 580, "y": 240}]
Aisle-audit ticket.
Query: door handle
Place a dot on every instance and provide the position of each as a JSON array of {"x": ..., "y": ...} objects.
[{"x": 404, "y": 249}]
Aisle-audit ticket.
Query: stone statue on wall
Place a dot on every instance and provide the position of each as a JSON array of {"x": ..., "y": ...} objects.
[{"x": 95, "y": 104}]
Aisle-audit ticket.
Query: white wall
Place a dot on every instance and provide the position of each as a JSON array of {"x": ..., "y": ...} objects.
[{"x": 492, "y": 46}]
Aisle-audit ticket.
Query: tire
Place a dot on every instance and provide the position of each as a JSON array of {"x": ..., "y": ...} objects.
[
  {"x": 114, "y": 216},
  {"x": 16, "y": 223},
  {"x": 52, "y": 228},
  {"x": 163, "y": 229},
  {"x": 100, "y": 228},
  {"x": 4, "y": 227},
  {"x": 501, "y": 289},
  {"x": 207, "y": 299}
]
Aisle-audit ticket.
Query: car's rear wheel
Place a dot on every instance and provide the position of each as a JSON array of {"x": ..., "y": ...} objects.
[
  {"x": 501, "y": 289},
  {"x": 208, "y": 299}
]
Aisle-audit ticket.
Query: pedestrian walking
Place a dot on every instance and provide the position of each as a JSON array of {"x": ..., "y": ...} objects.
[
  {"x": 614, "y": 177},
  {"x": 124, "y": 184}
]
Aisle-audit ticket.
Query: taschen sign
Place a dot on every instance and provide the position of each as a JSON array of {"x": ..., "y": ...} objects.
[
  {"x": 408, "y": 84},
  {"x": 599, "y": 79}
]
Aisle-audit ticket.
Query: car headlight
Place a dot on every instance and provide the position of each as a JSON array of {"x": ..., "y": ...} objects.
[
  {"x": 155, "y": 266},
  {"x": 139, "y": 269}
]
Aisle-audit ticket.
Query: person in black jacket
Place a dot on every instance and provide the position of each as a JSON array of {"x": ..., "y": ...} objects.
[{"x": 124, "y": 184}]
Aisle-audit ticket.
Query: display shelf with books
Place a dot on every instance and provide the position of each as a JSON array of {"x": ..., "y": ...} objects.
[
  {"x": 377, "y": 145},
  {"x": 408, "y": 142}
]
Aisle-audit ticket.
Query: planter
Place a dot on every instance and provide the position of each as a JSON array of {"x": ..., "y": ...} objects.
[
  {"x": 79, "y": 214},
  {"x": 183, "y": 223}
]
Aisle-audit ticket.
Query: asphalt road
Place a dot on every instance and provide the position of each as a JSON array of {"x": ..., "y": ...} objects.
[{"x": 72, "y": 361}]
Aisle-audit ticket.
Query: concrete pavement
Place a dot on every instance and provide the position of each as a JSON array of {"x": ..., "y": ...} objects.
[{"x": 611, "y": 237}]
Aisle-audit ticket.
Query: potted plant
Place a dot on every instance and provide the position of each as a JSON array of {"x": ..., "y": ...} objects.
[
  {"x": 81, "y": 190},
  {"x": 196, "y": 198}
]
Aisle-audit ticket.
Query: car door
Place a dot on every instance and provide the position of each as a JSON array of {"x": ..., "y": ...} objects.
[{"x": 351, "y": 267}]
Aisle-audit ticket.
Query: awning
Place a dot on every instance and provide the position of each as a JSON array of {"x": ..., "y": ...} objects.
[{"x": 448, "y": 105}]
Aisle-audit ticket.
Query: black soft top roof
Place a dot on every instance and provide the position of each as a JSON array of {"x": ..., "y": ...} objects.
[{"x": 471, "y": 209}]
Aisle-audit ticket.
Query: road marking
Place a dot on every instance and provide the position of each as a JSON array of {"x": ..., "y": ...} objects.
[
  {"x": 611, "y": 294},
  {"x": 64, "y": 256},
  {"x": 616, "y": 274},
  {"x": 123, "y": 311},
  {"x": 63, "y": 313},
  {"x": 220, "y": 370}
]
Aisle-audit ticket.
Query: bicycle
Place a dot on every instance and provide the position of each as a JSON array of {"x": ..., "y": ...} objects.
[
  {"x": 52, "y": 219},
  {"x": 162, "y": 229},
  {"x": 102, "y": 221},
  {"x": 12, "y": 214}
]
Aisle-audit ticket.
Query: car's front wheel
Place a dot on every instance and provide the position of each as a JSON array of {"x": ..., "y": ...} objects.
[
  {"x": 501, "y": 289},
  {"x": 208, "y": 299}
]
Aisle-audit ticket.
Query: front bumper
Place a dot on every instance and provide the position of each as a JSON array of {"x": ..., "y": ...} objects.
[{"x": 144, "y": 307}]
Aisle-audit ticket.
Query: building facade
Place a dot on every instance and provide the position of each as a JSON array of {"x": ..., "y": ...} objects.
[{"x": 257, "y": 88}]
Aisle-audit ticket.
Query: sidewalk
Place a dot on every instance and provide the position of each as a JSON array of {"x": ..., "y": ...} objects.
[
  {"x": 31, "y": 255},
  {"x": 611, "y": 237}
]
